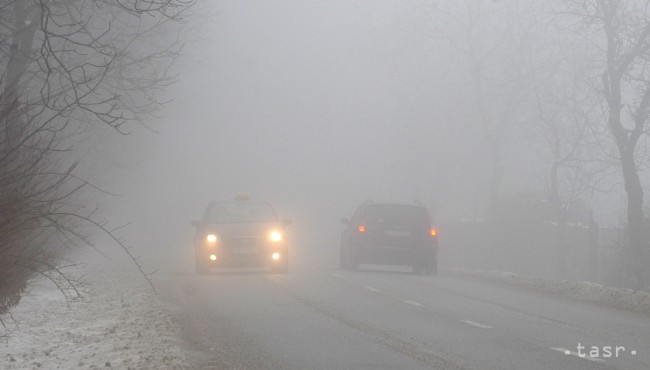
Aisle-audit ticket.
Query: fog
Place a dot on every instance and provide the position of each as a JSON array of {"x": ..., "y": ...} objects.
[
  {"x": 521, "y": 127},
  {"x": 317, "y": 107}
]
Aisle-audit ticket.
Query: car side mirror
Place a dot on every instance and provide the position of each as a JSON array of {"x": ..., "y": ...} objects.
[
  {"x": 345, "y": 221},
  {"x": 196, "y": 224},
  {"x": 286, "y": 222}
]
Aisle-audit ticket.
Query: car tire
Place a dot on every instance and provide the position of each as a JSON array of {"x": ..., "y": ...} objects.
[
  {"x": 343, "y": 263},
  {"x": 432, "y": 268},
  {"x": 352, "y": 261},
  {"x": 201, "y": 269},
  {"x": 427, "y": 267}
]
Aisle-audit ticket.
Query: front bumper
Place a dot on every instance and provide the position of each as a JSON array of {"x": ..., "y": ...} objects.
[{"x": 242, "y": 252}]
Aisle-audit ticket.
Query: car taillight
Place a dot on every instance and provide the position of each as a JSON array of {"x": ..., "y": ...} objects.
[
  {"x": 434, "y": 232},
  {"x": 362, "y": 229}
]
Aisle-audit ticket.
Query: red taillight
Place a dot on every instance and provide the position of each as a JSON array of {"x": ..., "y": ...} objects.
[
  {"x": 362, "y": 229},
  {"x": 434, "y": 232}
]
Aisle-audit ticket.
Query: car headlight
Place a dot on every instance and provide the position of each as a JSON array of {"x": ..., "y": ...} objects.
[
  {"x": 275, "y": 236},
  {"x": 211, "y": 238}
]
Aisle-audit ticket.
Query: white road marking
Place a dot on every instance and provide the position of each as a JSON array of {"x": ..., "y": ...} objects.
[
  {"x": 372, "y": 289},
  {"x": 576, "y": 354},
  {"x": 338, "y": 276},
  {"x": 413, "y": 303},
  {"x": 473, "y": 323}
]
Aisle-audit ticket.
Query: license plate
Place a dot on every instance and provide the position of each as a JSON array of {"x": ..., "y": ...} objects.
[
  {"x": 398, "y": 233},
  {"x": 250, "y": 249}
]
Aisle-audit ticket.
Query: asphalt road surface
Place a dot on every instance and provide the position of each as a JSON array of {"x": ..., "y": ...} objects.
[{"x": 320, "y": 317}]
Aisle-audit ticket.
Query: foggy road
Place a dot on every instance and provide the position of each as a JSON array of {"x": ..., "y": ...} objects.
[
  {"x": 506, "y": 138},
  {"x": 320, "y": 317}
]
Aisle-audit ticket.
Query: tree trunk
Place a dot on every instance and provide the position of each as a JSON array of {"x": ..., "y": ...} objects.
[
  {"x": 564, "y": 253},
  {"x": 594, "y": 255},
  {"x": 561, "y": 217},
  {"x": 626, "y": 140},
  {"x": 636, "y": 221}
]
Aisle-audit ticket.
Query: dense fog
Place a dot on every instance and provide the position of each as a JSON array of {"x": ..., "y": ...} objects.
[
  {"x": 458, "y": 184},
  {"x": 317, "y": 107}
]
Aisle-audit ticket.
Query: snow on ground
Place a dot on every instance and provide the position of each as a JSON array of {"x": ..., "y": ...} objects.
[
  {"x": 120, "y": 323},
  {"x": 627, "y": 299}
]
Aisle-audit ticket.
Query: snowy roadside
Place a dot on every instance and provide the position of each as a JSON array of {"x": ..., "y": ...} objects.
[
  {"x": 120, "y": 323},
  {"x": 626, "y": 299}
]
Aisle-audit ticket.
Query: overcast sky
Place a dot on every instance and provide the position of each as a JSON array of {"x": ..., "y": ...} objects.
[{"x": 314, "y": 106}]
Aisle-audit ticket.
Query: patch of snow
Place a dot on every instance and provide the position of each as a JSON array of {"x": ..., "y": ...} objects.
[
  {"x": 627, "y": 299},
  {"x": 119, "y": 323}
]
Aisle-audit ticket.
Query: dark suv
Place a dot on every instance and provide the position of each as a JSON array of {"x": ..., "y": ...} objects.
[
  {"x": 390, "y": 234},
  {"x": 243, "y": 233}
]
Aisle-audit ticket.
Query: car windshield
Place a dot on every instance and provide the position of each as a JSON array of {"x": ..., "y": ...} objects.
[
  {"x": 240, "y": 212},
  {"x": 397, "y": 215}
]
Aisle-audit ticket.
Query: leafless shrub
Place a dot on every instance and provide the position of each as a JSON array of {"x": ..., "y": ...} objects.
[{"x": 66, "y": 65}]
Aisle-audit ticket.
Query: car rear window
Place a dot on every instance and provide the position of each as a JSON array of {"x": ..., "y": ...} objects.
[
  {"x": 398, "y": 215},
  {"x": 240, "y": 212}
]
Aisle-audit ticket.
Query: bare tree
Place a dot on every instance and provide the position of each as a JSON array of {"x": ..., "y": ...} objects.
[
  {"x": 624, "y": 37},
  {"x": 485, "y": 36},
  {"x": 66, "y": 65},
  {"x": 564, "y": 114}
]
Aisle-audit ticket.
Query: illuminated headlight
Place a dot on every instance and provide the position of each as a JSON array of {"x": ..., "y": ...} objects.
[
  {"x": 211, "y": 238},
  {"x": 275, "y": 256},
  {"x": 213, "y": 257},
  {"x": 275, "y": 236}
]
